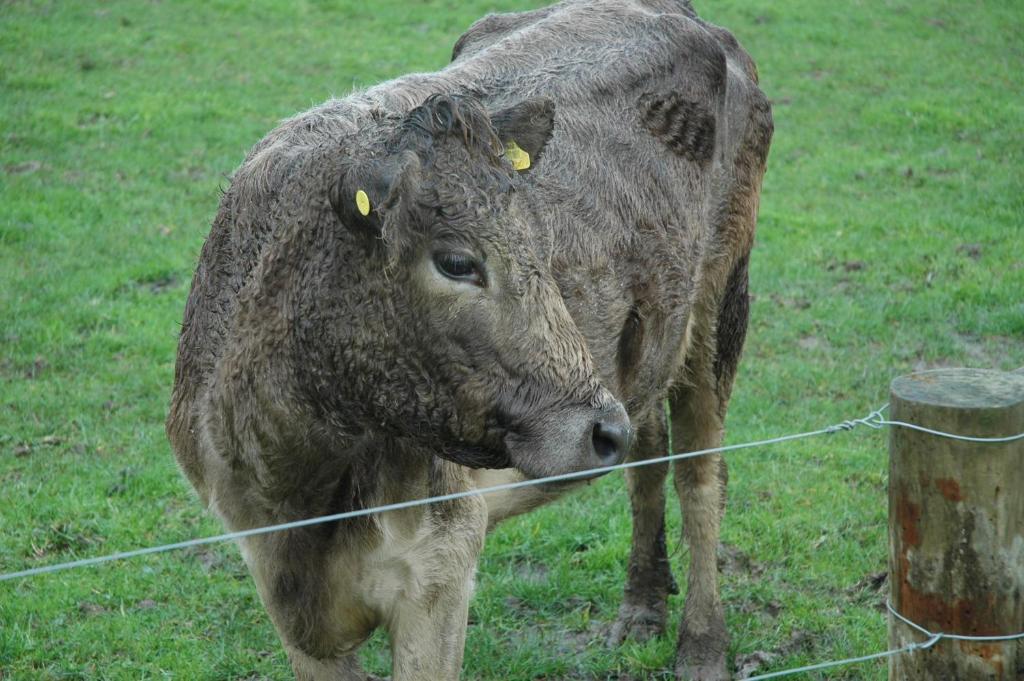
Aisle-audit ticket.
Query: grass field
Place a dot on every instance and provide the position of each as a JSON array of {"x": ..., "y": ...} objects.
[{"x": 891, "y": 238}]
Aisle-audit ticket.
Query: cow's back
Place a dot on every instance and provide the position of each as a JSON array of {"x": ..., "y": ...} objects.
[{"x": 649, "y": 185}]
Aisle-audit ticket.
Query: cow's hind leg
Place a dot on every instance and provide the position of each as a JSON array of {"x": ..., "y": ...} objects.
[
  {"x": 698, "y": 405},
  {"x": 649, "y": 579},
  {"x": 700, "y": 484}
]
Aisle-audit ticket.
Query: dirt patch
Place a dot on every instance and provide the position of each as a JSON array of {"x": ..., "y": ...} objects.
[
  {"x": 753, "y": 663},
  {"x": 24, "y": 168},
  {"x": 62, "y": 537},
  {"x": 163, "y": 283},
  {"x": 91, "y": 609},
  {"x": 573, "y": 643},
  {"x": 847, "y": 266},
  {"x": 207, "y": 557},
  {"x": 517, "y": 605},
  {"x": 36, "y": 369},
  {"x": 988, "y": 352},
  {"x": 734, "y": 561},
  {"x": 982, "y": 352},
  {"x": 123, "y": 480},
  {"x": 872, "y": 582},
  {"x": 972, "y": 251},
  {"x": 792, "y": 303},
  {"x": 770, "y": 608},
  {"x": 809, "y": 342},
  {"x": 159, "y": 283},
  {"x": 871, "y": 590},
  {"x": 25, "y": 448},
  {"x": 534, "y": 573}
]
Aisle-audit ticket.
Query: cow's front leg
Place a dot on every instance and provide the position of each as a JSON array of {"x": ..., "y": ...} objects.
[
  {"x": 649, "y": 579},
  {"x": 427, "y": 622},
  {"x": 428, "y": 637},
  {"x": 700, "y": 484}
]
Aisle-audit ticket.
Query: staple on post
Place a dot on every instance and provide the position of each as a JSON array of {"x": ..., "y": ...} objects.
[{"x": 956, "y": 524}]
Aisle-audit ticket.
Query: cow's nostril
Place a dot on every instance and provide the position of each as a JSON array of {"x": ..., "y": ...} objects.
[{"x": 610, "y": 442}]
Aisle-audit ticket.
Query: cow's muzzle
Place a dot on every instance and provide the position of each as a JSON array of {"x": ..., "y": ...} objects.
[
  {"x": 572, "y": 441},
  {"x": 610, "y": 437}
]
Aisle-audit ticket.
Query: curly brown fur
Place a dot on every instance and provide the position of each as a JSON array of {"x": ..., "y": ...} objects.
[{"x": 327, "y": 361}]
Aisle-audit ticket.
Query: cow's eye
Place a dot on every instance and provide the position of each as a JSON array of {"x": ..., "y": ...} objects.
[{"x": 459, "y": 266}]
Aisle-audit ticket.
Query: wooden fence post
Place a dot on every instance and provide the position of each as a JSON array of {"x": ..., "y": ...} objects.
[{"x": 956, "y": 524}]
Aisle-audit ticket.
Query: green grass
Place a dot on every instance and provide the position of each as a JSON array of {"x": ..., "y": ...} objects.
[{"x": 890, "y": 239}]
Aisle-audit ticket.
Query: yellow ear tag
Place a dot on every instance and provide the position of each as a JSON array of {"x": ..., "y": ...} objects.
[
  {"x": 362, "y": 202},
  {"x": 519, "y": 158}
]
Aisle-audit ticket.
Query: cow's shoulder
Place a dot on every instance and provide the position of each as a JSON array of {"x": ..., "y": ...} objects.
[{"x": 278, "y": 191}]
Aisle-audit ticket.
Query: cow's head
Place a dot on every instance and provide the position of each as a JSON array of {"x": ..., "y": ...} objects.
[{"x": 497, "y": 370}]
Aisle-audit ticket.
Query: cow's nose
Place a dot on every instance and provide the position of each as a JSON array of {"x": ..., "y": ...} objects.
[{"x": 611, "y": 437}]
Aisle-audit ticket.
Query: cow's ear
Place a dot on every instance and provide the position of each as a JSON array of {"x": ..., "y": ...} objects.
[
  {"x": 368, "y": 191},
  {"x": 525, "y": 129}
]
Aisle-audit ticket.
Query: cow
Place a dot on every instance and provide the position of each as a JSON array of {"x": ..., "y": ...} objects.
[{"x": 494, "y": 272}]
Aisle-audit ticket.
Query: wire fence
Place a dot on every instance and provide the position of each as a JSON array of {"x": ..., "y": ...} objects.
[
  {"x": 870, "y": 420},
  {"x": 874, "y": 420}
]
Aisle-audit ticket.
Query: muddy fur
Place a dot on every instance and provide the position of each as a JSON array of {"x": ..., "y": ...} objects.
[{"x": 327, "y": 362}]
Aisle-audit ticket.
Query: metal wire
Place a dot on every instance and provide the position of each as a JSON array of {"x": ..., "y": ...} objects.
[
  {"x": 956, "y": 637},
  {"x": 931, "y": 639},
  {"x": 873, "y": 420},
  {"x": 850, "y": 660},
  {"x": 876, "y": 420},
  {"x": 966, "y": 438},
  {"x": 358, "y": 513}
]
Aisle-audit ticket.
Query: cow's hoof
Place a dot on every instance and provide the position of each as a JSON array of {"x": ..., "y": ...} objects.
[
  {"x": 701, "y": 657},
  {"x": 702, "y": 672},
  {"x": 637, "y": 622}
]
